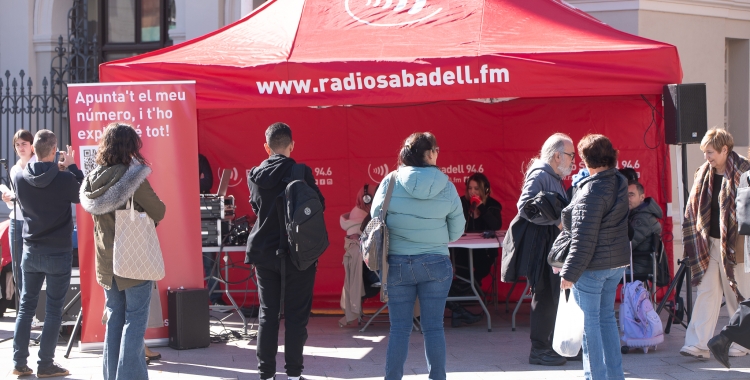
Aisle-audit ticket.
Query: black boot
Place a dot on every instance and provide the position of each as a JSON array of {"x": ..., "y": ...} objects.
[
  {"x": 460, "y": 315},
  {"x": 546, "y": 357},
  {"x": 719, "y": 346}
]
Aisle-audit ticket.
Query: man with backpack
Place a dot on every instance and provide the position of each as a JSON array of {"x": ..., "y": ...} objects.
[{"x": 284, "y": 245}]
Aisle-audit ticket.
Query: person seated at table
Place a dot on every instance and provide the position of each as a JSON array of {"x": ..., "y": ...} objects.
[{"x": 482, "y": 213}]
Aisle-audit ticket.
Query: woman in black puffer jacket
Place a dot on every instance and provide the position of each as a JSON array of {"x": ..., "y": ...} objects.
[{"x": 597, "y": 223}]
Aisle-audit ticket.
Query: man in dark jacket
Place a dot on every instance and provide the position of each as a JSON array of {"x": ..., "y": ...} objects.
[
  {"x": 644, "y": 217},
  {"x": 266, "y": 183},
  {"x": 45, "y": 193},
  {"x": 555, "y": 162}
]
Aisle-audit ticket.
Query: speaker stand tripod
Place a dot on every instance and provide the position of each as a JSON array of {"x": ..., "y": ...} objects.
[
  {"x": 679, "y": 310},
  {"x": 234, "y": 307},
  {"x": 77, "y": 326}
]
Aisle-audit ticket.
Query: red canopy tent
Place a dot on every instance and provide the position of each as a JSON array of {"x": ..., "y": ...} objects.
[{"x": 491, "y": 78}]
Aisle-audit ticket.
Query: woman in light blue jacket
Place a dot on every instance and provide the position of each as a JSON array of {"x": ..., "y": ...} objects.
[{"x": 424, "y": 215}]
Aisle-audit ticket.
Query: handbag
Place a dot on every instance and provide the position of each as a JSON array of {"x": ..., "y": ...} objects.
[
  {"x": 136, "y": 254},
  {"x": 559, "y": 251},
  {"x": 373, "y": 242},
  {"x": 568, "y": 336},
  {"x": 743, "y": 207},
  {"x": 155, "y": 316},
  {"x": 374, "y": 239}
]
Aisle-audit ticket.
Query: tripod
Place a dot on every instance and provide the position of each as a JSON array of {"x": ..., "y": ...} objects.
[
  {"x": 678, "y": 309},
  {"x": 217, "y": 278}
]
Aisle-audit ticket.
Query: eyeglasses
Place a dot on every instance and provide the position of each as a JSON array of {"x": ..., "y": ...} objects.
[{"x": 571, "y": 155}]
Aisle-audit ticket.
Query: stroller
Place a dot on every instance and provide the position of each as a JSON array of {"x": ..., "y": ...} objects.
[{"x": 640, "y": 324}]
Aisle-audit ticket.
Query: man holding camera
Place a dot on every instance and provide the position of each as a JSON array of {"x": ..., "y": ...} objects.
[{"x": 45, "y": 193}]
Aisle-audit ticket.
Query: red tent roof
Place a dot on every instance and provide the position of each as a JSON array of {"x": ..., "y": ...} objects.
[{"x": 323, "y": 52}]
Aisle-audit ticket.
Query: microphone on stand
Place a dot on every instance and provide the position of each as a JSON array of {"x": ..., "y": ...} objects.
[
  {"x": 474, "y": 202},
  {"x": 4, "y": 162}
]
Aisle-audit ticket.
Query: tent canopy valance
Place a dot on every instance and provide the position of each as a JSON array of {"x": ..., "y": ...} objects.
[{"x": 321, "y": 52}]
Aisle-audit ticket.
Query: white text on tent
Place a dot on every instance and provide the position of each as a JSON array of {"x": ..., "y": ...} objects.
[{"x": 355, "y": 81}]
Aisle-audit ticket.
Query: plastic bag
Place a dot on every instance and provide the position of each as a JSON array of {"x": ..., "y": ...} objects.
[{"x": 568, "y": 336}]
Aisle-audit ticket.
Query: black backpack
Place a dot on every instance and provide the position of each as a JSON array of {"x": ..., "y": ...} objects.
[
  {"x": 301, "y": 218},
  {"x": 301, "y": 221}
]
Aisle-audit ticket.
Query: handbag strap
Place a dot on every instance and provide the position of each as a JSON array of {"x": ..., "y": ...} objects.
[
  {"x": 383, "y": 214},
  {"x": 388, "y": 193},
  {"x": 132, "y": 208}
]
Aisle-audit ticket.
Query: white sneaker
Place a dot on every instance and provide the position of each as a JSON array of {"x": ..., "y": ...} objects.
[
  {"x": 735, "y": 350},
  {"x": 695, "y": 352}
]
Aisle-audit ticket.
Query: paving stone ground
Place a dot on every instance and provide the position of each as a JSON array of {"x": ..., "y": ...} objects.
[{"x": 333, "y": 352}]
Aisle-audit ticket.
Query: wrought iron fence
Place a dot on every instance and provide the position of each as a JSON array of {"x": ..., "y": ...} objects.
[
  {"x": 21, "y": 108},
  {"x": 25, "y": 105}
]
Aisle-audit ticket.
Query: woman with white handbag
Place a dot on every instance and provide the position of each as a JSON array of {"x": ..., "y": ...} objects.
[{"x": 128, "y": 258}]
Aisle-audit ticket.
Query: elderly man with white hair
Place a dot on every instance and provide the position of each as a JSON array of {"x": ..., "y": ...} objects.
[{"x": 545, "y": 174}]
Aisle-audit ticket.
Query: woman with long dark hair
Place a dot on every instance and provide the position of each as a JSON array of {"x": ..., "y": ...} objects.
[
  {"x": 482, "y": 213},
  {"x": 424, "y": 215},
  {"x": 120, "y": 177}
]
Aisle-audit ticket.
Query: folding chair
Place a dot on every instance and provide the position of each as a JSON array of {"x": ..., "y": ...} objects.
[
  {"x": 645, "y": 265},
  {"x": 526, "y": 295},
  {"x": 376, "y": 317},
  {"x": 371, "y": 318},
  {"x": 491, "y": 296}
]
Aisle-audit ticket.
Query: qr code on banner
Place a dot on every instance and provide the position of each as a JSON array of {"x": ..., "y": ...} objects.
[{"x": 88, "y": 158}]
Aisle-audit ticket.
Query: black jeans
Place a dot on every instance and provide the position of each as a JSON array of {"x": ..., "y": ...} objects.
[
  {"x": 738, "y": 329},
  {"x": 544, "y": 309},
  {"x": 297, "y": 306}
]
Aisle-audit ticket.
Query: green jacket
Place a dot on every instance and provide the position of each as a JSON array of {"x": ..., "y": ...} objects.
[
  {"x": 106, "y": 189},
  {"x": 425, "y": 212}
]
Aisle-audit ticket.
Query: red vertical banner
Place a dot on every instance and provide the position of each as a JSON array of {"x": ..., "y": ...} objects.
[{"x": 164, "y": 115}]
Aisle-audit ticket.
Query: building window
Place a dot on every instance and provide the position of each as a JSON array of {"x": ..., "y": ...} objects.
[
  {"x": 131, "y": 27},
  {"x": 737, "y": 90}
]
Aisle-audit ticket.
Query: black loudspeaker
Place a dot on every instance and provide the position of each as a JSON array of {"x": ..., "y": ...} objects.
[
  {"x": 685, "y": 116},
  {"x": 188, "y": 318},
  {"x": 75, "y": 308}
]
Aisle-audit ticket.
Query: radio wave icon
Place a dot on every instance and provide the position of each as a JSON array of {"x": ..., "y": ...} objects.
[
  {"x": 234, "y": 179},
  {"x": 379, "y": 171},
  {"x": 417, "y": 7}
]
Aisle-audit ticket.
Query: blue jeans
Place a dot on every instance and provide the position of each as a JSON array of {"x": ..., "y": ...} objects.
[
  {"x": 124, "y": 355},
  {"x": 427, "y": 277},
  {"x": 55, "y": 268},
  {"x": 16, "y": 241},
  {"x": 595, "y": 292}
]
